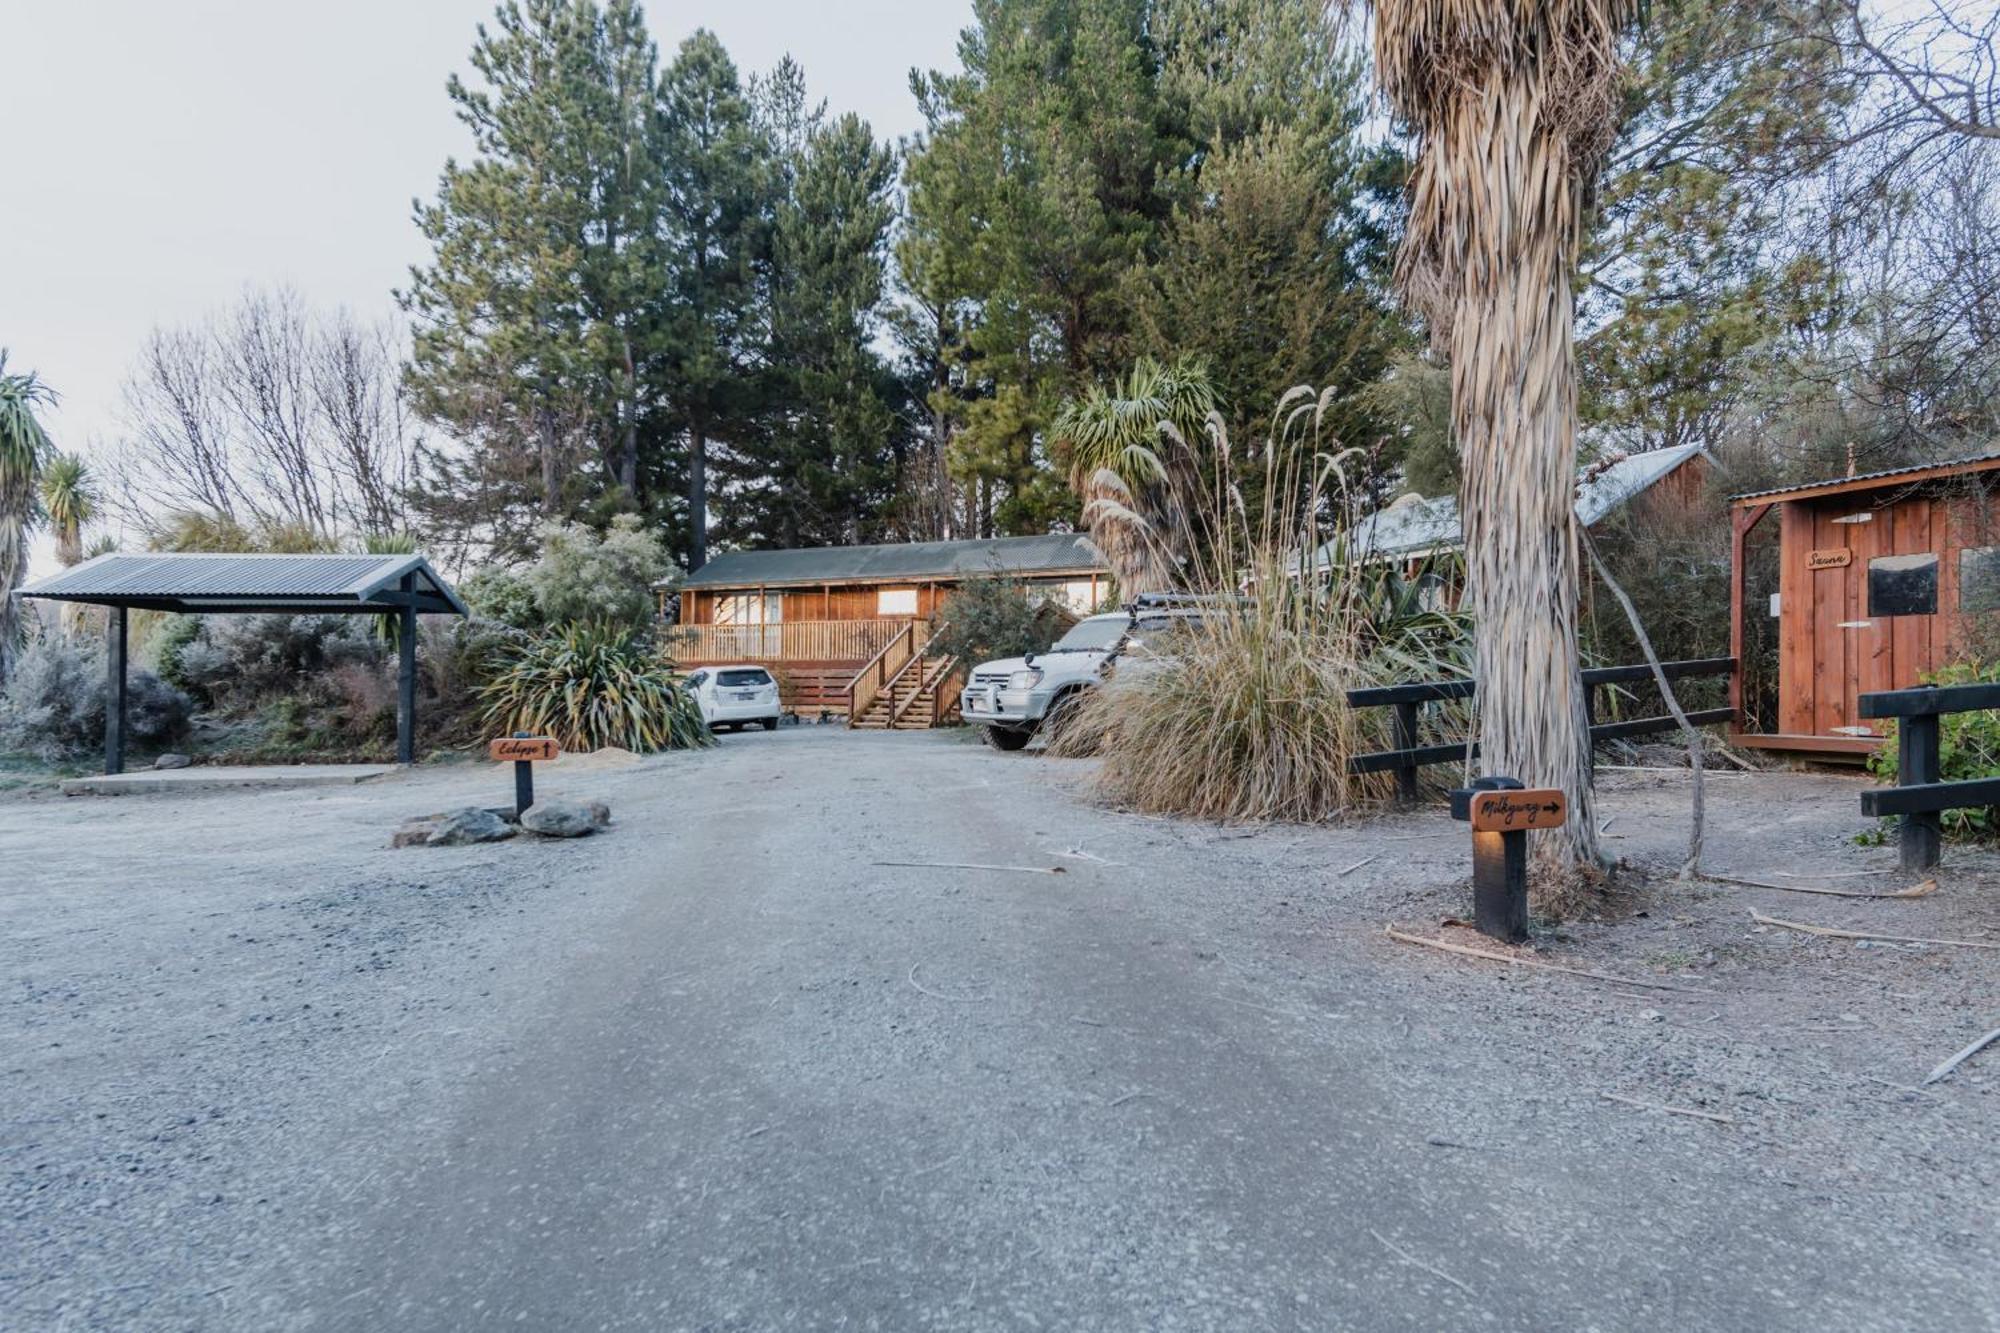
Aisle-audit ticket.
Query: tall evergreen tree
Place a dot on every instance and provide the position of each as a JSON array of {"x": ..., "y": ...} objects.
[
  {"x": 539, "y": 306},
  {"x": 716, "y": 173}
]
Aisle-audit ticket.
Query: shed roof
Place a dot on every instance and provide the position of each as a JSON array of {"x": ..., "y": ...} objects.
[
  {"x": 201, "y": 583},
  {"x": 901, "y": 562},
  {"x": 1868, "y": 481},
  {"x": 1413, "y": 525}
]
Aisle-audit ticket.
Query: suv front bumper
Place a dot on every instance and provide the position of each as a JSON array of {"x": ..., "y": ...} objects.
[{"x": 993, "y": 706}]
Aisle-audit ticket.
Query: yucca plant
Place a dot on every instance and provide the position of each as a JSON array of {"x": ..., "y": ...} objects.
[
  {"x": 70, "y": 500},
  {"x": 592, "y": 685}
]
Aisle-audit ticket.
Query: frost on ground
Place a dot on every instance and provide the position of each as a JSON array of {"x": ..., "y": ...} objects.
[{"x": 721, "y": 1067}]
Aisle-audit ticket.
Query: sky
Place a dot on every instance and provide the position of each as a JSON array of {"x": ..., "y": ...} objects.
[{"x": 160, "y": 157}]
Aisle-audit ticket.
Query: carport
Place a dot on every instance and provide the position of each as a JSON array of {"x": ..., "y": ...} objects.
[{"x": 398, "y": 588}]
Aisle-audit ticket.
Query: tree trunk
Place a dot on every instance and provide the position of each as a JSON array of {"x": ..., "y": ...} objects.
[
  {"x": 1514, "y": 400},
  {"x": 697, "y": 496},
  {"x": 545, "y": 421},
  {"x": 628, "y": 444},
  {"x": 15, "y": 500}
]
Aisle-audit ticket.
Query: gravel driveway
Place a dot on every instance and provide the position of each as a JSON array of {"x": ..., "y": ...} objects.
[{"x": 721, "y": 1068}]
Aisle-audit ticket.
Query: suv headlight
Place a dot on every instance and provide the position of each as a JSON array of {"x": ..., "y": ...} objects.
[{"x": 1024, "y": 680}]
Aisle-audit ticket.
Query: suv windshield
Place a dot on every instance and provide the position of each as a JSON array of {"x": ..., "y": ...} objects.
[
  {"x": 1096, "y": 635},
  {"x": 738, "y": 679}
]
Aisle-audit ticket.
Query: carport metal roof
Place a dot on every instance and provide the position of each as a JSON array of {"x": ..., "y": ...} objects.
[{"x": 207, "y": 584}]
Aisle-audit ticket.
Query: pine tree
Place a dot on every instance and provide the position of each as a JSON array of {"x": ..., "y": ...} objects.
[{"x": 539, "y": 305}]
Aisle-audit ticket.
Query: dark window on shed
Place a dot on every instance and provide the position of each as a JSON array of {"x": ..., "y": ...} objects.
[
  {"x": 1979, "y": 578},
  {"x": 1903, "y": 585}
]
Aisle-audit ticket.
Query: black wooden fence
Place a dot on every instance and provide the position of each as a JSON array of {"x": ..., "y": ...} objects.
[
  {"x": 1408, "y": 701},
  {"x": 1918, "y": 796}
]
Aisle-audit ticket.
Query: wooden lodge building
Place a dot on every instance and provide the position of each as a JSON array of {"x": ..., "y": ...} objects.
[
  {"x": 850, "y": 629},
  {"x": 1880, "y": 577}
]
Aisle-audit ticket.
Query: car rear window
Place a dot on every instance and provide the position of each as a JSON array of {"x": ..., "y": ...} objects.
[{"x": 742, "y": 678}]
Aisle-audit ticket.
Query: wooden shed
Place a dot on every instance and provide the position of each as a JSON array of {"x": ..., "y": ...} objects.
[{"x": 1880, "y": 578}]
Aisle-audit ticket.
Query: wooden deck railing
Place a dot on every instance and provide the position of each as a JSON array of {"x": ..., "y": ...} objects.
[{"x": 797, "y": 641}]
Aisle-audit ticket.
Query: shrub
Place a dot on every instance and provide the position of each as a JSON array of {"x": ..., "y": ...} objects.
[
  {"x": 56, "y": 702},
  {"x": 999, "y": 617},
  {"x": 502, "y": 596},
  {"x": 603, "y": 579},
  {"x": 1968, "y": 747},
  {"x": 593, "y": 685},
  {"x": 245, "y": 658},
  {"x": 177, "y": 633}
]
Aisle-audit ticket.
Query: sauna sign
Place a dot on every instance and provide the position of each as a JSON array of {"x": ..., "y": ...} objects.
[
  {"x": 1839, "y": 557},
  {"x": 1517, "y": 810}
]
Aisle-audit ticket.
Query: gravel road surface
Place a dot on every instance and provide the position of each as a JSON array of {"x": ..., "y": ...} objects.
[{"x": 723, "y": 1068}]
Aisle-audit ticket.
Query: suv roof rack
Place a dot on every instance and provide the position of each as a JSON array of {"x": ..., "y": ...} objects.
[{"x": 1168, "y": 600}]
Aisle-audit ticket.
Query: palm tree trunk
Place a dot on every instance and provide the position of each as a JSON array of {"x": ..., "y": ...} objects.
[
  {"x": 1514, "y": 399},
  {"x": 15, "y": 499}
]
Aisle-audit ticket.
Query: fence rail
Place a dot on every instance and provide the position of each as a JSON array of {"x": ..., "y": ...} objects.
[
  {"x": 796, "y": 641},
  {"x": 1408, "y": 700},
  {"x": 1919, "y": 796}
]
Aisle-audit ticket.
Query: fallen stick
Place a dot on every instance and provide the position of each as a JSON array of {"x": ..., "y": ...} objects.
[
  {"x": 1955, "y": 1061},
  {"x": 1662, "y": 1106},
  {"x": 1832, "y": 933},
  {"x": 1356, "y": 866},
  {"x": 1413, "y": 837},
  {"x": 1078, "y": 854},
  {"x": 971, "y": 865},
  {"x": 1415, "y": 1262},
  {"x": 1832, "y": 874},
  {"x": 1395, "y": 934},
  {"x": 1923, "y": 890},
  {"x": 1130, "y": 1096},
  {"x": 939, "y": 995}
]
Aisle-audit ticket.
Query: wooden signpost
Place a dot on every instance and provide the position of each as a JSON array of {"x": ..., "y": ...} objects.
[
  {"x": 1502, "y": 813},
  {"x": 525, "y": 751}
]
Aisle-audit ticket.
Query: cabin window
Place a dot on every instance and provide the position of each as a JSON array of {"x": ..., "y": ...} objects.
[
  {"x": 896, "y": 602},
  {"x": 1903, "y": 585},
  {"x": 749, "y": 608},
  {"x": 1080, "y": 596},
  {"x": 1979, "y": 578}
]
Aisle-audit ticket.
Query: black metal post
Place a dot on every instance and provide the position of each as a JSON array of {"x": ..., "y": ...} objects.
[
  {"x": 1922, "y": 840},
  {"x": 524, "y": 783},
  {"x": 115, "y": 692},
  {"x": 406, "y": 685},
  {"x": 1499, "y": 868},
  {"x": 1406, "y": 739}
]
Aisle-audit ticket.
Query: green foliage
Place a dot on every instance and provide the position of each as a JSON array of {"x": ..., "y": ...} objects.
[
  {"x": 189, "y": 530},
  {"x": 988, "y": 618},
  {"x": 606, "y": 577},
  {"x": 1968, "y": 747},
  {"x": 593, "y": 685},
  {"x": 501, "y": 595},
  {"x": 70, "y": 500},
  {"x": 169, "y": 645},
  {"x": 55, "y": 702},
  {"x": 24, "y": 446}
]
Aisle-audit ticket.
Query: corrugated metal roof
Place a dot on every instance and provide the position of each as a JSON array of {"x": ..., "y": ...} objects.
[
  {"x": 211, "y": 582},
  {"x": 1054, "y": 553},
  {"x": 1866, "y": 478},
  {"x": 1415, "y": 526}
]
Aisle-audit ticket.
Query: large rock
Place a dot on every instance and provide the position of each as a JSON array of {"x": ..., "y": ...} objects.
[
  {"x": 456, "y": 827},
  {"x": 565, "y": 819},
  {"x": 171, "y": 760}
]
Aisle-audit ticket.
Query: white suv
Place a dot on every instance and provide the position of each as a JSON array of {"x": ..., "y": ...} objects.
[{"x": 1015, "y": 697}]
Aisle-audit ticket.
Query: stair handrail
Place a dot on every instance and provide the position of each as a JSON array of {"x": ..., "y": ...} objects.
[
  {"x": 922, "y": 654},
  {"x": 856, "y": 705}
]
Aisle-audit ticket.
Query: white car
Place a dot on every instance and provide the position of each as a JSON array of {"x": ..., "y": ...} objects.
[
  {"x": 736, "y": 696},
  {"x": 1015, "y": 697}
]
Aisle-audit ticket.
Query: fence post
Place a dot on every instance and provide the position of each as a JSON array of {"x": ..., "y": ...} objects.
[
  {"x": 1406, "y": 739},
  {"x": 1922, "y": 840}
]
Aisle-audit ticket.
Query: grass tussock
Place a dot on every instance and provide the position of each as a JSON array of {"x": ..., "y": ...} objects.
[{"x": 1244, "y": 716}]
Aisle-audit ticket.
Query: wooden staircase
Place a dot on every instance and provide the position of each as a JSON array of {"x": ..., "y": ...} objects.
[{"x": 918, "y": 698}]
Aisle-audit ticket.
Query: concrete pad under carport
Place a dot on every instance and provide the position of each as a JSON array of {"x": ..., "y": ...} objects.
[{"x": 263, "y": 777}]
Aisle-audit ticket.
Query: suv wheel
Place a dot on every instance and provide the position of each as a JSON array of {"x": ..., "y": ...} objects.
[{"x": 1006, "y": 738}]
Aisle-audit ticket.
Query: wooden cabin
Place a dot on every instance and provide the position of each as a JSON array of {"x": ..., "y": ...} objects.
[
  {"x": 1879, "y": 579},
  {"x": 847, "y": 629}
]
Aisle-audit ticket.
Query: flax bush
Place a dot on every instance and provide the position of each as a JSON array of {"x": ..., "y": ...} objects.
[{"x": 592, "y": 685}]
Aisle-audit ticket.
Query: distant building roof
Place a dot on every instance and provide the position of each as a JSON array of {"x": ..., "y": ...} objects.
[
  {"x": 901, "y": 562},
  {"x": 198, "y": 583},
  {"x": 1895, "y": 476},
  {"x": 1412, "y": 525}
]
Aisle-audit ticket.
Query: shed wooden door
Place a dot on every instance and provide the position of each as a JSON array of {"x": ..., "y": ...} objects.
[{"x": 1830, "y": 648}]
